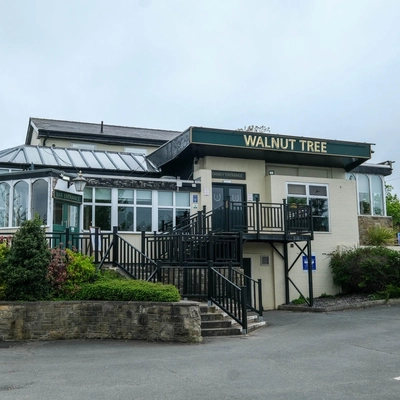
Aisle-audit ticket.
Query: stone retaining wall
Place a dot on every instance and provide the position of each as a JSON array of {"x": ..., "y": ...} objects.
[
  {"x": 172, "y": 322},
  {"x": 366, "y": 222}
]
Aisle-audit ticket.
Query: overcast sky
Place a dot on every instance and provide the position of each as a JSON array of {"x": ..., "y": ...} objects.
[{"x": 321, "y": 68}]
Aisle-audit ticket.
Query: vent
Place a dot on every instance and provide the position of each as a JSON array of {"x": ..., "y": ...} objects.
[{"x": 264, "y": 260}]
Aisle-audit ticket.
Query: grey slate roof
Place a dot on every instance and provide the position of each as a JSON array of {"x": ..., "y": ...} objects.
[
  {"x": 81, "y": 129},
  {"x": 47, "y": 157}
]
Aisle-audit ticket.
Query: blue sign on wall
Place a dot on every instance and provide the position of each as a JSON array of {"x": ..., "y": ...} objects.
[{"x": 313, "y": 263}]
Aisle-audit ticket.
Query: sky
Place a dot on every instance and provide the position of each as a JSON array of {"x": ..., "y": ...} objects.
[{"x": 324, "y": 69}]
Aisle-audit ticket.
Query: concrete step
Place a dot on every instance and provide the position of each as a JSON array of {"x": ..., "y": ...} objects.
[
  {"x": 215, "y": 322},
  {"x": 221, "y": 331}
]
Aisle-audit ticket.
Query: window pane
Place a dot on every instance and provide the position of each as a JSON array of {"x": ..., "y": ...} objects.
[
  {"x": 182, "y": 199},
  {"x": 102, "y": 195},
  {"x": 125, "y": 218},
  {"x": 319, "y": 209},
  {"x": 87, "y": 216},
  {"x": 165, "y": 216},
  {"x": 102, "y": 217},
  {"x": 377, "y": 195},
  {"x": 4, "y": 204},
  {"x": 297, "y": 189},
  {"x": 364, "y": 195},
  {"x": 125, "y": 196},
  {"x": 181, "y": 215},
  {"x": 318, "y": 190},
  {"x": 165, "y": 198},
  {"x": 39, "y": 199},
  {"x": 143, "y": 219},
  {"x": 88, "y": 195},
  {"x": 20, "y": 206},
  {"x": 296, "y": 201},
  {"x": 143, "y": 197}
]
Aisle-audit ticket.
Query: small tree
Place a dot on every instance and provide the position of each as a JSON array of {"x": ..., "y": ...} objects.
[
  {"x": 25, "y": 268},
  {"x": 393, "y": 206}
]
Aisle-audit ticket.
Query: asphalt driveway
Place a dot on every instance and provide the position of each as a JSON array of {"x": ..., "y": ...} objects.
[{"x": 352, "y": 354}]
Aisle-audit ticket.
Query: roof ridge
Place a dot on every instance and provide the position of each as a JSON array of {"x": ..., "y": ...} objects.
[{"x": 110, "y": 125}]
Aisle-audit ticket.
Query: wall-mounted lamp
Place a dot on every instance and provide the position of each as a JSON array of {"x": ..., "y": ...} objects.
[
  {"x": 79, "y": 182},
  {"x": 271, "y": 172}
]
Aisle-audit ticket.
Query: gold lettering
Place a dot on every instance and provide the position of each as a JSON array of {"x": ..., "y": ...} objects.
[
  {"x": 266, "y": 143},
  {"x": 260, "y": 142},
  {"x": 292, "y": 142},
  {"x": 323, "y": 147},
  {"x": 249, "y": 140},
  {"x": 286, "y": 145},
  {"x": 310, "y": 145},
  {"x": 303, "y": 142},
  {"x": 275, "y": 143},
  {"x": 317, "y": 147}
]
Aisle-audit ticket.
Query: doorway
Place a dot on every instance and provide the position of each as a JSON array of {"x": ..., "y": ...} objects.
[
  {"x": 229, "y": 207},
  {"x": 65, "y": 215}
]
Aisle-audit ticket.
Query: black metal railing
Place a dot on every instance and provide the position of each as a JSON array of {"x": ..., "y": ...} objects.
[
  {"x": 131, "y": 260},
  {"x": 180, "y": 248},
  {"x": 227, "y": 296},
  {"x": 249, "y": 217}
]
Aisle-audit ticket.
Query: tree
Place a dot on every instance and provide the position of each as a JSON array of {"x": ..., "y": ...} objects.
[
  {"x": 24, "y": 271},
  {"x": 256, "y": 128},
  {"x": 393, "y": 206}
]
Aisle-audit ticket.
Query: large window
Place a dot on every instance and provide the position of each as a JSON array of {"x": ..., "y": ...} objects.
[
  {"x": 40, "y": 199},
  {"x": 133, "y": 210},
  {"x": 370, "y": 193},
  {"x": 20, "y": 203},
  {"x": 315, "y": 196},
  {"x": 4, "y": 204},
  {"x": 97, "y": 208}
]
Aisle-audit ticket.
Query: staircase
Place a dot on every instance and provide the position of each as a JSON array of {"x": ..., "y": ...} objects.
[{"x": 214, "y": 322}]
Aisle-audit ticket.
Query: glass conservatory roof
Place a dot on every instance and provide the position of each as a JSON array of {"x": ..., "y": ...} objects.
[{"x": 50, "y": 157}]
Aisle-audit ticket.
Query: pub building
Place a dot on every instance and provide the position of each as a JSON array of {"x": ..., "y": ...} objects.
[{"x": 288, "y": 201}]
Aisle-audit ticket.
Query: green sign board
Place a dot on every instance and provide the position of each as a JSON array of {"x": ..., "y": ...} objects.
[
  {"x": 228, "y": 175},
  {"x": 270, "y": 142},
  {"x": 71, "y": 197}
]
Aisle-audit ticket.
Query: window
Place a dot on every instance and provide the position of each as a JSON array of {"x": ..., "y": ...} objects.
[
  {"x": 134, "y": 210},
  {"x": 370, "y": 193},
  {"x": 4, "y": 204},
  {"x": 98, "y": 212},
  {"x": 315, "y": 196},
  {"x": 39, "y": 199},
  {"x": 20, "y": 203},
  {"x": 172, "y": 207}
]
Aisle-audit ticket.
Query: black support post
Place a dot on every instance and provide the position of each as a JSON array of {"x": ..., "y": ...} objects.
[{"x": 310, "y": 278}]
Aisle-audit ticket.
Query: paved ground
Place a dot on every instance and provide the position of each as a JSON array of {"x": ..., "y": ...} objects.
[{"x": 352, "y": 354}]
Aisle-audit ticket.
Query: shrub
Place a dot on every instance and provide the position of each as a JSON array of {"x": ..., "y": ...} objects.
[
  {"x": 365, "y": 270},
  {"x": 57, "y": 273},
  {"x": 80, "y": 269},
  {"x": 380, "y": 236},
  {"x": 24, "y": 269},
  {"x": 127, "y": 290}
]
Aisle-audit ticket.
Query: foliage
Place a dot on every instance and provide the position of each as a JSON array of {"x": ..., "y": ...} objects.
[
  {"x": 256, "y": 128},
  {"x": 57, "y": 273},
  {"x": 25, "y": 268},
  {"x": 112, "y": 289},
  {"x": 393, "y": 206},
  {"x": 69, "y": 269},
  {"x": 80, "y": 269},
  {"x": 299, "y": 301},
  {"x": 379, "y": 236},
  {"x": 390, "y": 292},
  {"x": 366, "y": 270}
]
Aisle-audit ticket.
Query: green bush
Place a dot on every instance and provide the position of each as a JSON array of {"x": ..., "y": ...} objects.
[
  {"x": 24, "y": 269},
  {"x": 366, "y": 270},
  {"x": 127, "y": 290},
  {"x": 80, "y": 269},
  {"x": 380, "y": 236}
]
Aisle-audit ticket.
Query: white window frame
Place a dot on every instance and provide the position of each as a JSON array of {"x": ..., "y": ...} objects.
[{"x": 309, "y": 196}]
